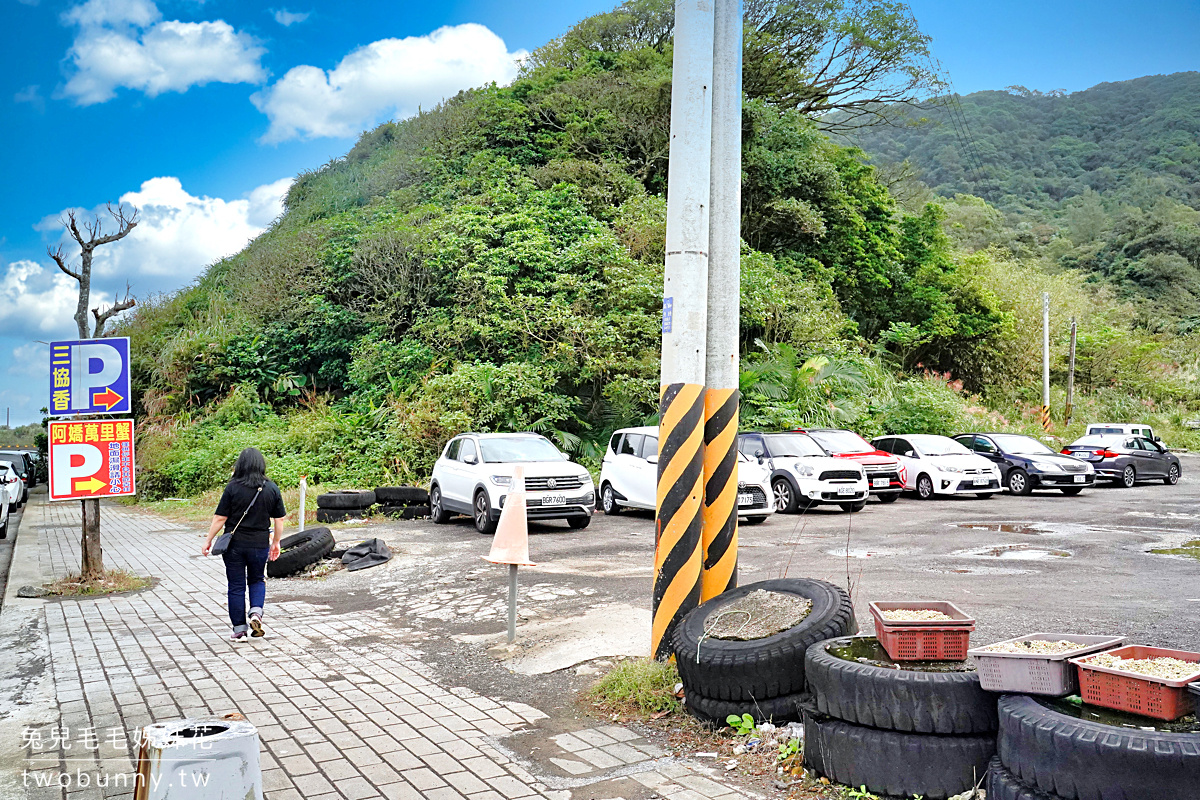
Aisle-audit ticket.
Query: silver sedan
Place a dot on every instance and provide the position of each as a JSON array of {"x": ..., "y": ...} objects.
[{"x": 1127, "y": 459}]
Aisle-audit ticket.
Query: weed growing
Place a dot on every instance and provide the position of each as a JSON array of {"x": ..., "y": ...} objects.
[
  {"x": 638, "y": 688},
  {"x": 113, "y": 581}
]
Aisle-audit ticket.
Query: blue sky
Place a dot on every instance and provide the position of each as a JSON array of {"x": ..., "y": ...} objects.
[{"x": 200, "y": 112}]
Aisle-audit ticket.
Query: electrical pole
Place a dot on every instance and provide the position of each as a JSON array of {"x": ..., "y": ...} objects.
[
  {"x": 680, "y": 497},
  {"x": 1045, "y": 361},
  {"x": 1070, "y": 406}
]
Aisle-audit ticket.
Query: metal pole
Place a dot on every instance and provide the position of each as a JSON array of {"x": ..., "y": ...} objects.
[
  {"x": 1070, "y": 406},
  {"x": 680, "y": 495},
  {"x": 512, "y": 603},
  {"x": 303, "y": 505},
  {"x": 1045, "y": 361},
  {"x": 721, "y": 398}
]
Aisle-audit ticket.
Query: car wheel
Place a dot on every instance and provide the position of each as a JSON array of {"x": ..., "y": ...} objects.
[
  {"x": 579, "y": 523},
  {"x": 608, "y": 500},
  {"x": 4, "y": 530},
  {"x": 1019, "y": 483},
  {"x": 1072, "y": 491},
  {"x": 786, "y": 501},
  {"x": 1128, "y": 477},
  {"x": 483, "y": 514},
  {"x": 985, "y": 495},
  {"x": 437, "y": 512},
  {"x": 852, "y": 507},
  {"x": 755, "y": 520},
  {"x": 1172, "y": 475},
  {"x": 889, "y": 498},
  {"x": 925, "y": 487}
]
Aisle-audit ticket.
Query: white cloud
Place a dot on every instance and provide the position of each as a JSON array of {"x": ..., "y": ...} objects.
[
  {"x": 36, "y": 299},
  {"x": 390, "y": 77},
  {"x": 123, "y": 43},
  {"x": 29, "y": 360},
  {"x": 31, "y": 94},
  {"x": 288, "y": 18}
]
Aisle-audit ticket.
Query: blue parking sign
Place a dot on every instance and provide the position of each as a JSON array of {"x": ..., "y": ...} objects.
[{"x": 89, "y": 377}]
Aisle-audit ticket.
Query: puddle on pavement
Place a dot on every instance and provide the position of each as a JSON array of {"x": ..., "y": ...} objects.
[
  {"x": 1029, "y": 528},
  {"x": 1073, "y": 706},
  {"x": 860, "y": 553},
  {"x": 1014, "y": 552},
  {"x": 1189, "y": 549},
  {"x": 868, "y": 650},
  {"x": 980, "y": 571}
]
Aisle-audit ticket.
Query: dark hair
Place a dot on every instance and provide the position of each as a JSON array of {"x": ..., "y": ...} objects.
[{"x": 251, "y": 468}]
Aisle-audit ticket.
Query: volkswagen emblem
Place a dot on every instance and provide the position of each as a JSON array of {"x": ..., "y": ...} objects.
[{"x": 551, "y": 483}]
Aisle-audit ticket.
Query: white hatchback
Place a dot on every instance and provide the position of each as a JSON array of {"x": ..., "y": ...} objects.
[
  {"x": 475, "y": 471},
  {"x": 939, "y": 465},
  {"x": 11, "y": 489},
  {"x": 629, "y": 477}
]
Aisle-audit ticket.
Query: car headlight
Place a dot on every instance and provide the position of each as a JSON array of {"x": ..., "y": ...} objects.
[
  {"x": 804, "y": 470},
  {"x": 502, "y": 480},
  {"x": 950, "y": 469},
  {"x": 1045, "y": 467}
]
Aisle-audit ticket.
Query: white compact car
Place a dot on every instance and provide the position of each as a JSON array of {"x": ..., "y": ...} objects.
[
  {"x": 11, "y": 489},
  {"x": 475, "y": 471},
  {"x": 939, "y": 465},
  {"x": 629, "y": 477},
  {"x": 803, "y": 474}
]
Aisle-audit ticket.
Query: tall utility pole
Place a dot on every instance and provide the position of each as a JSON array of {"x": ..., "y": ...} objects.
[
  {"x": 1070, "y": 406},
  {"x": 721, "y": 398},
  {"x": 678, "y": 552},
  {"x": 1045, "y": 361}
]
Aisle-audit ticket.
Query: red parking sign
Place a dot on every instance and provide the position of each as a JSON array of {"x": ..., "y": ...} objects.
[{"x": 91, "y": 458}]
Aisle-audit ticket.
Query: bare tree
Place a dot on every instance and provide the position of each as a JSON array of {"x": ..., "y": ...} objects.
[{"x": 89, "y": 234}]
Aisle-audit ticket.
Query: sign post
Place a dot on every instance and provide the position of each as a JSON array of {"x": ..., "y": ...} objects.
[{"x": 91, "y": 459}]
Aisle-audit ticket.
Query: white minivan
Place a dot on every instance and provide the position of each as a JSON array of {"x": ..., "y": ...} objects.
[{"x": 1121, "y": 429}]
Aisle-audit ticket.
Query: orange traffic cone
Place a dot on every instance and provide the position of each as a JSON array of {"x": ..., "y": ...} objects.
[{"x": 510, "y": 545}]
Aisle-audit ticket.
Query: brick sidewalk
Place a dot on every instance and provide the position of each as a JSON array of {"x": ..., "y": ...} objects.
[{"x": 343, "y": 710}]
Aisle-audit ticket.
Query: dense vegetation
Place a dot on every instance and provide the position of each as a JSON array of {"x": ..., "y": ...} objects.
[{"x": 496, "y": 264}]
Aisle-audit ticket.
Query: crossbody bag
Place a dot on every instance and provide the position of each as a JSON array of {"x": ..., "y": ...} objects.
[{"x": 225, "y": 539}]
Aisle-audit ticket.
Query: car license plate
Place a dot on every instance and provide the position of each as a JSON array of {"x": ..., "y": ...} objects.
[
  {"x": 843, "y": 490},
  {"x": 745, "y": 499},
  {"x": 554, "y": 500},
  {"x": 1081, "y": 479},
  {"x": 982, "y": 481},
  {"x": 881, "y": 483}
]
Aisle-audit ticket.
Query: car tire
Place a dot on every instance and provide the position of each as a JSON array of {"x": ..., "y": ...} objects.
[
  {"x": 889, "y": 498},
  {"x": 850, "y": 508},
  {"x": 1085, "y": 760},
  {"x": 985, "y": 495},
  {"x": 942, "y": 703},
  {"x": 437, "y": 512},
  {"x": 1128, "y": 477},
  {"x": 481, "y": 509},
  {"x": 894, "y": 763},
  {"x": 404, "y": 512},
  {"x": 1018, "y": 482},
  {"x": 716, "y": 712},
  {"x": 1003, "y": 785},
  {"x": 786, "y": 497},
  {"x": 1172, "y": 475},
  {"x": 608, "y": 500},
  {"x": 1071, "y": 491},
  {"x": 328, "y": 515},
  {"x": 4, "y": 530},
  {"x": 925, "y": 489},
  {"x": 579, "y": 523},
  {"x": 347, "y": 499},
  {"x": 299, "y": 550},
  {"x": 760, "y": 668},
  {"x": 755, "y": 520},
  {"x": 401, "y": 496}
]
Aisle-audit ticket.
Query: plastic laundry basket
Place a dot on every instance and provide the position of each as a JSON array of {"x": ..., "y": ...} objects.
[{"x": 1037, "y": 673}]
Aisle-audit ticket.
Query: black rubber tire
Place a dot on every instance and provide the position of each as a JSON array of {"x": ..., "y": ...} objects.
[
  {"x": 782, "y": 486},
  {"x": 1128, "y": 477},
  {"x": 851, "y": 508},
  {"x": 985, "y": 495},
  {"x": 401, "y": 496},
  {"x": 897, "y": 699},
  {"x": 762, "y": 668},
  {"x": 1025, "y": 486},
  {"x": 4, "y": 530},
  {"x": 1172, "y": 475},
  {"x": 347, "y": 499},
  {"x": 891, "y": 497},
  {"x": 754, "y": 520},
  {"x": 405, "y": 512},
  {"x": 483, "y": 514},
  {"x": 1084, "y": 760},
  {"x": 1003, "y": 785},
  {"x": 895, "y": 763},
  {"x": 299, "y": 550},
  {"x": 437, "y": 512},
  {"x": 328, "y": 515},
  {"x": 579, "y": 523},
  {"x": 716, "y": 712},
  {"x": 925, "y": 490},
  {"x": 608, "y": 501},
  {"x": 1071, "y": 491}
]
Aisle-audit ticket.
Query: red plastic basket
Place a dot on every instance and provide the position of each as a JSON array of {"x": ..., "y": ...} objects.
[
  {"x": 924, "y": 641},
  {"x": 1138, "y": 694}
]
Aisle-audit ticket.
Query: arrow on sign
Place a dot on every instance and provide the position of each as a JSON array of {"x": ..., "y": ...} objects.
[
  {"x": 108, "y": 398},
  {"x": 91, "y": 485}
]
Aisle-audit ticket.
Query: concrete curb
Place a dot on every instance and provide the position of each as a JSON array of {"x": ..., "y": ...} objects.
[{"x": 25, "y": 568}]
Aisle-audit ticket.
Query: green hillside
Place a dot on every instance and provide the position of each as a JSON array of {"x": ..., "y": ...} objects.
[{"x": 496, "y": 264}]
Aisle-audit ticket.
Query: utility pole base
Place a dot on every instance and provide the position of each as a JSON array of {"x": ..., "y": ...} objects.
[{"x": 720, "y": 492}]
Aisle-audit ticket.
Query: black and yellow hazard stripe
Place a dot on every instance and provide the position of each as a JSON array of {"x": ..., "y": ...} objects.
[
  {"x": 1045, "y": 418},
  {"x": 720, "y": 536},
  {"x": 677, "y": 548}
]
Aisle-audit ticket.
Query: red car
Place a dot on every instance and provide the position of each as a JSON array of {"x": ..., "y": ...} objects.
[{"x": 884, "y": 471}]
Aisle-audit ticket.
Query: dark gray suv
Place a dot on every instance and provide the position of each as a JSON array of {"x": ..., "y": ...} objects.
[{"x": 1125, "y": 460}]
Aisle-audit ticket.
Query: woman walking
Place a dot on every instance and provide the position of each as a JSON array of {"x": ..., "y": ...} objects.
[{"x": 250, "y": 507}]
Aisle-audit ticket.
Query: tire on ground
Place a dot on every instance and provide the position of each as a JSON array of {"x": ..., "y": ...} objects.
[
  {"x": 328, "y": 515},
  {"x": 404, "y": 512},
  {"x": 1003, "y": 785},
  {"x": 759, "y": 668},
  {"x": 1083, "y": 760},
  {"x": 895, "y": 763},
  {"x": 299, "y": 550},
  {"x": 401, "y": 496},
  {"x": 897, "y": 699},
  {"x": 775, "y": 709},
  {"x": 347, "y": 499}
]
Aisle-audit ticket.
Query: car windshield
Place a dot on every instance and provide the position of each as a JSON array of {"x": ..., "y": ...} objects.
[
  {"x": 937, "y": 445},
  {"x": 504, "y": 449},
  {"x": 1021, "y": 445},
  {"x": 782, "y": 445},
  {"x": 843, "y": 442}
]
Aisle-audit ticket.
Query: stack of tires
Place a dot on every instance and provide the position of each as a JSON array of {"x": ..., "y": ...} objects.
[
  {"x": 344, "y": 504},
  {"x": 1047, "y": 755},
  {"x": 299, "y": 550},
  {"x": 760, "y": 677},
  {"x": 896, "y": 731},
  {"x": 402, "y": 502}
]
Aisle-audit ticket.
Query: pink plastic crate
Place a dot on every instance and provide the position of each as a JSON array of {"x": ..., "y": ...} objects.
[
  {"x": 1138, "y": 694},
  {"x": 1033, "y": 673},
  {"x": 944, "y": 640}
]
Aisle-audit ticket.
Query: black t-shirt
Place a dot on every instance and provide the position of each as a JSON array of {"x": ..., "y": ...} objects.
[{"x": 255, "y": 529}]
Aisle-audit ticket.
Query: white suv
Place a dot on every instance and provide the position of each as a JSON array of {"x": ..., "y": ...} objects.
[
  {"x": 475, "y": 471},
  {"x": 803, "y": 474},
  {"x": 629, "y": 477}
]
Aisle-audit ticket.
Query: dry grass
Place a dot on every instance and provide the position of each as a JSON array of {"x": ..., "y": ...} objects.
[
  {"x": 112, "y": 581},
  {"x": 638, "y": 687},
  {"x": 200, "y": 508}
]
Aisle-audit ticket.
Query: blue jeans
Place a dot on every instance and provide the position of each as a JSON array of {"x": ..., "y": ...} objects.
[{"x": 245, "y": 567}]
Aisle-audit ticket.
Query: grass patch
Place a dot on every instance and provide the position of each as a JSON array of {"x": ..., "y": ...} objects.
[
  {"x": 1190, "y": 549},
  {"x": 200, "y": 508},
  {"x": 113, "y": 581},
  {"x": 637, "y": 687}
]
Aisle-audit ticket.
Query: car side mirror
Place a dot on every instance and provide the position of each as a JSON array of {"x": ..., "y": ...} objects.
[
  {"x": 564, "y": 456},
  {"x": 758, "y": 454},
  {"x": 652, "y": 459},
  {"x": 911, "y": 454},
  {"x": 470, "y": 460}
]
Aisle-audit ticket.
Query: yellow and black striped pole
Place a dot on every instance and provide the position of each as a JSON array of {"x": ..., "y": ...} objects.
[
  {"x": 720, "y": 536},
  {"x": 677, "y": 550},
  {"x": 1045, "y": 418}
]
